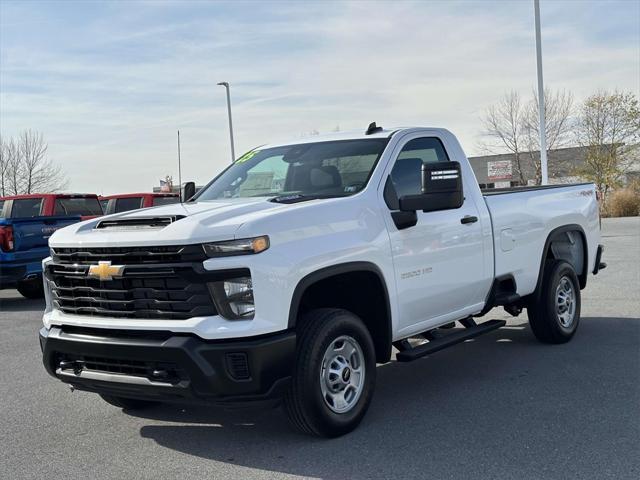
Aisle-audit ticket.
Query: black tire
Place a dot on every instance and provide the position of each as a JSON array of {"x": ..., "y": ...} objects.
[
  {"x": 31, "y": 288},
  {"x": 306, "y": 406},
  {"x": 128, "y": 403},
  {"x": 548, "y": 323}
]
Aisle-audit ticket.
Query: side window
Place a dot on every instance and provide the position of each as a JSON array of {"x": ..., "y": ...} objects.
[
  {"x": 126, "y": 204},
  {"x": 26, "y": 207},
  {"x": 406, "y": 175}
]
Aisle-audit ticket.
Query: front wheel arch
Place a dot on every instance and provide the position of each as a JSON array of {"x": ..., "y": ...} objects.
[{"x": 358, "y": 287}]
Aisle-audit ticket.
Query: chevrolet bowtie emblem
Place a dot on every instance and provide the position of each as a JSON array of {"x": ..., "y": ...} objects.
[{"x": 105, "y": 271}]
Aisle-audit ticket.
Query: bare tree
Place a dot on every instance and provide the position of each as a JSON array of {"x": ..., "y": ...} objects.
[
  {"x": 13, "y": 167},
  {"x": 39, "y": 173},
  {"x": 558, "y": 107},
  {"x": 25, "y": 168},
  {"x": 4, "y": 167},
  {"x": 513, "y": 126},
  {"x": 502, "y": 124},
  {"x": 609, "y": 128}
]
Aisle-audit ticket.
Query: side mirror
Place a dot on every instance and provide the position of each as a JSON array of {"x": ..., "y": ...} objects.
[
  {"x": 188, "y": 191},
  {"x": 441, "y": 189}
]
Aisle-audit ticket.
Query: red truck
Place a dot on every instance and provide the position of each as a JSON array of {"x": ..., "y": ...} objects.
[
  {"x": 85, "y": 205},
  {"x": 132, "y": 201}
]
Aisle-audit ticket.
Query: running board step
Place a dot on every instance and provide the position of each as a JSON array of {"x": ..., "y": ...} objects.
[{"x": 448, "y": 341}]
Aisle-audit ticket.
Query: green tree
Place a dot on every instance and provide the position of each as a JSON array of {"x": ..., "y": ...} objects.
[{"x": 609, "y": 127}]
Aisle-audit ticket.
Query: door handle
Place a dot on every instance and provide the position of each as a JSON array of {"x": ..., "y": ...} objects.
[{"x": 468, "y": 219}]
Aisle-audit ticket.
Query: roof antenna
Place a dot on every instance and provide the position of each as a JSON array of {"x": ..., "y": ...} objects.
[{"x": 373, "y": 128}]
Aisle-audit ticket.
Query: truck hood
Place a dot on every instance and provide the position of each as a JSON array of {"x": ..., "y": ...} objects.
[{"x": 206, "y": 221}]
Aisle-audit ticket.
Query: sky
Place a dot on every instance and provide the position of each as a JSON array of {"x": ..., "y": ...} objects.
[{"x": 109, "y": 83}]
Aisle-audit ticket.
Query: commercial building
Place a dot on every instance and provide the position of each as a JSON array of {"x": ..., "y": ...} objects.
[{"x": 505, "y": 170}]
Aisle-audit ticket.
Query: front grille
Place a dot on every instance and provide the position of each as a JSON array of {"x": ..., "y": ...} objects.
[
  {"x": 130, "y": 255},
  {"x": 155, "y": 371},
  {"x": 157, "y": 283}
]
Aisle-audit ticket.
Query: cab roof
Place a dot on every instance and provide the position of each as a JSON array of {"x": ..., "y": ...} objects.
[
  {"x": 49, "y": 195},
  {"x": 140, "y": 194},
  {"x": 348, "y": 135}
]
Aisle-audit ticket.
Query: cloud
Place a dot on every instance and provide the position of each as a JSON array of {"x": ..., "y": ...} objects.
[{"x": 109, "y": 86}]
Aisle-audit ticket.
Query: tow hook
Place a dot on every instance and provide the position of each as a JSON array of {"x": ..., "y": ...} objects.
[
  {"x": 160, "y": 374},
  {"x": 75, "y": 365}
]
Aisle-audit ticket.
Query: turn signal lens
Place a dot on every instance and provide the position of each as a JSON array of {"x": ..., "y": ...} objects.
[{"x": 245, "y": 246}]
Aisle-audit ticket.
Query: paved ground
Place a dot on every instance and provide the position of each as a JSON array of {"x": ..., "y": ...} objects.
[{"x": 502, "y": 406}]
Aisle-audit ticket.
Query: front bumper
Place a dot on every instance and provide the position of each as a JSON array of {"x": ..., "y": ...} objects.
[{"x": 169, "y": 367}]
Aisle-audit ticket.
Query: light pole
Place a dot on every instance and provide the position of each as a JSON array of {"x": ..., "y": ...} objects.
[
  {"x": 541, "y": 113},
  {"x": 233, "y": 151}
]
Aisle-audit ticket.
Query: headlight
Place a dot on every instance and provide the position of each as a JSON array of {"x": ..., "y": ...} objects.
[
  {"x": 245, "y": 246},
  {"x": 234, "y": 298}
]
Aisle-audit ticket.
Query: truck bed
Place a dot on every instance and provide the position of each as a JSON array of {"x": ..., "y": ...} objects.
[
  {"x": 501, "y": 191},
  {"x": 523, "y": 218}
]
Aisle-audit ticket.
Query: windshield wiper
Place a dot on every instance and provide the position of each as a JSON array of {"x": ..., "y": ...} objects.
[{"x": 298, "y": 197}]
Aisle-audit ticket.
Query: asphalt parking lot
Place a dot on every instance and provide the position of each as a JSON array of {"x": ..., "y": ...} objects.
[{"x": 501, "y": 406}]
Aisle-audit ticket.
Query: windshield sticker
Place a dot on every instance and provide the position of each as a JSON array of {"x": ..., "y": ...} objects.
[{"x": 247, "y": 156}]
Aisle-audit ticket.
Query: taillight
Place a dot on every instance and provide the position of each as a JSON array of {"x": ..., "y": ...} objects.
[{"x": 6, "y": 238}]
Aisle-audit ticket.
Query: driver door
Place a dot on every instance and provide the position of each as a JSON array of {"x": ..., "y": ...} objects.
[{"x": 439, "y": 261}]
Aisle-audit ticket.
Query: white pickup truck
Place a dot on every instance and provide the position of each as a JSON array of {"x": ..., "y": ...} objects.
[{"x": 299, "y": 267}]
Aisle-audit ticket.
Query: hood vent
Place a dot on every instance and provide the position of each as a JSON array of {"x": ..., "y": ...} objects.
[{"x": 140, "y": 223}]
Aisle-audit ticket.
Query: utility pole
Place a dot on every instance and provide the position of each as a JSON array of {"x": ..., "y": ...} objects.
[
  {"x": 233, "y": 152},
  {"x": 541, "y": 111},
  {"x": 179, "y": 170}
]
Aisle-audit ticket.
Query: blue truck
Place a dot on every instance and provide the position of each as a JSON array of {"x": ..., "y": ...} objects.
[{"x": 26, "y": 223}]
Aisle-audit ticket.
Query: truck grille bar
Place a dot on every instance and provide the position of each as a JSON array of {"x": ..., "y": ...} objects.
[
  {"x": 158, "y": 290},
  {"x": 129, "y": 255}
]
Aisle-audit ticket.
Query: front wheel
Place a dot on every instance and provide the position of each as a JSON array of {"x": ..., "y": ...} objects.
[
  {"x": 334, "y": 374},
  {"x": 555, "y": 315}
]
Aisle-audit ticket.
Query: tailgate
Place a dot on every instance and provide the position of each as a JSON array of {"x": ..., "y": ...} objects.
[{"x": 31, "y": 233}]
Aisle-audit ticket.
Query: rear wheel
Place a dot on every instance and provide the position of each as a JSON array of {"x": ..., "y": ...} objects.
[
  {"x": 555, "y": 315},
  {"x": 128, "y": 403},
  {"x": 334, "y": 373},
  {"x": 31, "y": 288}
]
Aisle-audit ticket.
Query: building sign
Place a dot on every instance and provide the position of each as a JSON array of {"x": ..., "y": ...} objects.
[{"x": 499, "y": 170}]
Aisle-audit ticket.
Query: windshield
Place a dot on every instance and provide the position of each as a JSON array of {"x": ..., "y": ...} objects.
[{"x": 323, "y": 169}]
